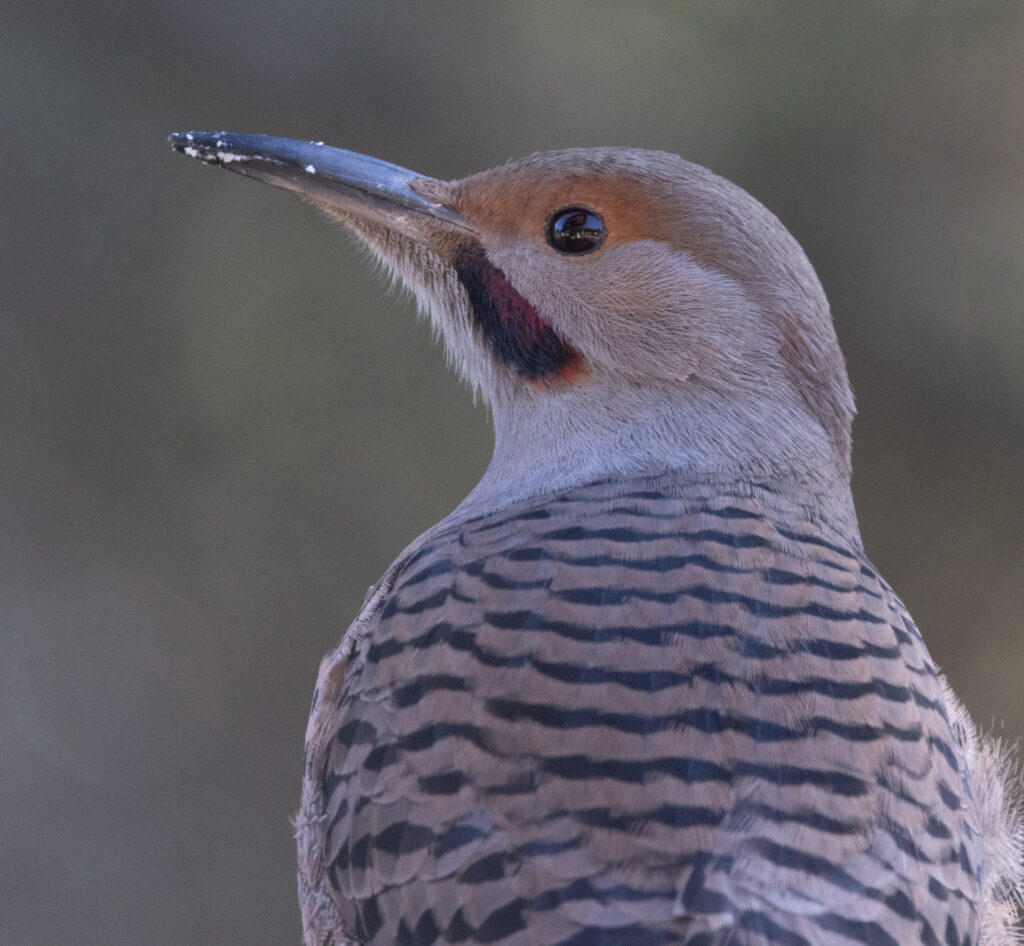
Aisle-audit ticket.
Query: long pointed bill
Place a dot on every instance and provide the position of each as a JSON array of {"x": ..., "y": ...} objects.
[{"x": 351, "y": 183}]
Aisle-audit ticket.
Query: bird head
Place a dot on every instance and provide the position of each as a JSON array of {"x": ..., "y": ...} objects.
[{"x": 620, "y": 309}]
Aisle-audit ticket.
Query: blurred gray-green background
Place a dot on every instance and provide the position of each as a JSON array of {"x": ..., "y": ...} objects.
[{"x": 219, "y": 425}]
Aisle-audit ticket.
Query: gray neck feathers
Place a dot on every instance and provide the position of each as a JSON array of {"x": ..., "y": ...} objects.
[{"x": 547, "y": 442}]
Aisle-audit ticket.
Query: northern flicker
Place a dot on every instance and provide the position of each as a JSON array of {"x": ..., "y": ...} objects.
[{"x": 643, "y": 686}]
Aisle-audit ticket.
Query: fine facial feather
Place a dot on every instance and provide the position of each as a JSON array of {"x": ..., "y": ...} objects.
[
  {"x": 719, "y": 246},
  {"x": 704, "y": 337}
]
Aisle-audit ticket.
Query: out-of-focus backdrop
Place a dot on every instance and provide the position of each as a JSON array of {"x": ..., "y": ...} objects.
[{"x": 219, "y": 425}]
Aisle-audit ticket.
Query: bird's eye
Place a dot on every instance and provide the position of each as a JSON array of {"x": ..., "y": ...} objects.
[{"x": 576, "y": 230}]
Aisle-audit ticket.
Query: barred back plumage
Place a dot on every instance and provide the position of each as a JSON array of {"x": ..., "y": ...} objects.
[{"x": 639, "y": 712}]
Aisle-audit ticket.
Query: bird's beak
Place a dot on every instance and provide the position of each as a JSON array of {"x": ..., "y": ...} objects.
[{"x": 353, "y": 185}]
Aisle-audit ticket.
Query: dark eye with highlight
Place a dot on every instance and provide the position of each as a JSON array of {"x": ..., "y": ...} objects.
[{"x": 576, "y": 230}]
